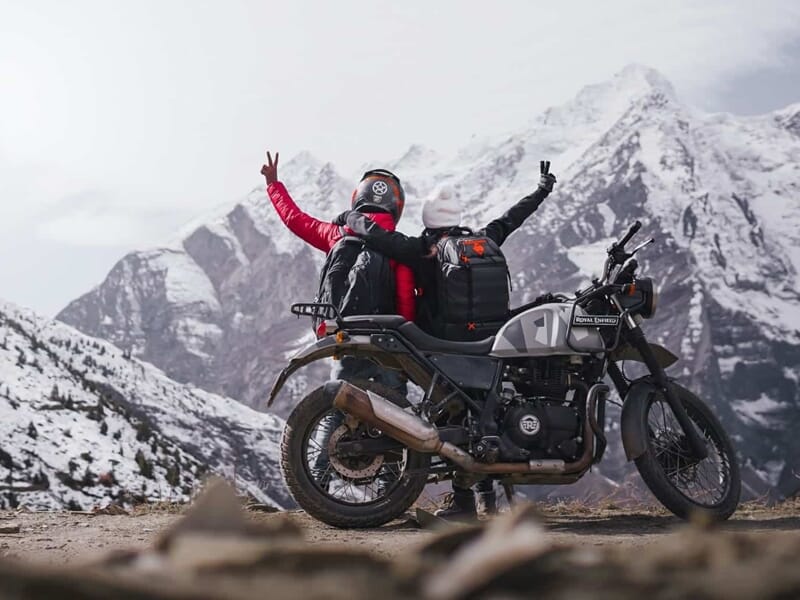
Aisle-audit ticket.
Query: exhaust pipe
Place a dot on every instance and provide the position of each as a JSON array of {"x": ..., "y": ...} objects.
[
  {"x": 421, "y": 436},
  {"x": 392, "y": 420}
]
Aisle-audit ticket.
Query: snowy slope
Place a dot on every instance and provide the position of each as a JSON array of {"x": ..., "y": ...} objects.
[
  {"x": 720, "y": 193},
  {"x": 82, "y": 425}
]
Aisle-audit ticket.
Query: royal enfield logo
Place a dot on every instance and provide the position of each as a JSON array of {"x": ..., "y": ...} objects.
[
  {"x": 379, "y": 188},
  {"x": 530, "y": 425},
  {"x": 595, "y": 320}
]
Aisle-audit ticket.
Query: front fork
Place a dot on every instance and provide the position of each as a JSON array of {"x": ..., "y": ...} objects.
[{"x": 635, "y": 337}]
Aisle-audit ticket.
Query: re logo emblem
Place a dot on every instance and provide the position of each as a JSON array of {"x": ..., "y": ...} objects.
[{"x": 530, "y": 425}]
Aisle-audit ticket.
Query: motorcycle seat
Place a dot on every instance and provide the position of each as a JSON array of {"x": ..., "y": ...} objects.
[
  {"x": 374, "y": 321},
  {"x": 429, "y": 343}
]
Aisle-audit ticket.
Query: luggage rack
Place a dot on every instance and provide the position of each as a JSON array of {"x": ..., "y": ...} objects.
[{"x": 319, "y": 311}]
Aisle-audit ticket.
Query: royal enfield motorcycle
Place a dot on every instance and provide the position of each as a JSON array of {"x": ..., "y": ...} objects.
[{"x": 526, "y": 406}]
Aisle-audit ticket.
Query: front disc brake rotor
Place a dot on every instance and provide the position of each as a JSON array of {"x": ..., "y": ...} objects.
[{"x": 352, "y": 467}]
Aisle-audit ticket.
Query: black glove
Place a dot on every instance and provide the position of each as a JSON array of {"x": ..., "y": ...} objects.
[
  {"x": 547, "y": 180},
  {"x": 341, "y": 220}
]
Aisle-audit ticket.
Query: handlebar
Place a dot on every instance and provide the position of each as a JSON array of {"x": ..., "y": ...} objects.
[
  {"x": 617, "y": 254},
  {"x": 631, "y": 232}
]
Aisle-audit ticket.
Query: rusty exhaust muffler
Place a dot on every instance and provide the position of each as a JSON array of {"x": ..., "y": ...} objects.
[
  {"x": 418, "y": 435},
  {"x": 392, "y": 420}
]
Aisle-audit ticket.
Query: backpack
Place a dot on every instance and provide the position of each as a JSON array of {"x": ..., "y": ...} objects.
[
  {"x": 357, "y": 280},
  {"x": 472, "y": 286}
]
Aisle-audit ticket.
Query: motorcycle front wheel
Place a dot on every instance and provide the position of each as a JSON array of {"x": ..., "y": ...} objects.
[
  {"x": 706, "y": 489},
  {"x": 353, "y": 491}
]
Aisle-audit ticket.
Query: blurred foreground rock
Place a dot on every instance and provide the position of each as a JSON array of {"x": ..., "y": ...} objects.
[{"x": 217, "y": 552}]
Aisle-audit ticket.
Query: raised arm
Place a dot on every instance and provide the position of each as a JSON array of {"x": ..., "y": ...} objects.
[
  {"x": 499, "y": 229},
  {"x": 393, "y": 244},
  {"x": 318, "y": 233}
]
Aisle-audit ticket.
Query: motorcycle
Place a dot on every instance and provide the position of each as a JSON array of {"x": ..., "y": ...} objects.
[{"x": 526, "y": 406}]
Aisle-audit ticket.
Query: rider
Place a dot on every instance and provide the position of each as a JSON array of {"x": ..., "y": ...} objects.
[
  {"x": 441, "y": 216},
  {"x": 379, "y": 198}
]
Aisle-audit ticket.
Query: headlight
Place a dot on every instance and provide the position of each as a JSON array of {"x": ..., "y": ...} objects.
[
  {"x": 641, "y": 299},
  {"x": 653, "y": 301},
  {"x": 650, "y": 297}
]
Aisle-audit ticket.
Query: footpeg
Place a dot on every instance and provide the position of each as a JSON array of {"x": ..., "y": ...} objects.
[{"x": 487, "y": 450}]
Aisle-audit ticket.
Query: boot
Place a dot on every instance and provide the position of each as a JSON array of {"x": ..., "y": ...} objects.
[
  {"x": 488, "y": 503},
  {"x": 461, "y": 507}
]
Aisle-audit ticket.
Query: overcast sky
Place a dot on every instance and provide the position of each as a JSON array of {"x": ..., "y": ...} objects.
[{"x": 119, "y": 121}]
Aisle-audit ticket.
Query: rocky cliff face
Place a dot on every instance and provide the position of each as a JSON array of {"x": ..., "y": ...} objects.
[
  {"x": 82, "y": 424},
  {"x": 721, "y": 194}
]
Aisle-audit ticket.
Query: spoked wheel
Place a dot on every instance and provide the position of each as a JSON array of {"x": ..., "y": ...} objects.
[
  {"x": 685, "y": 485},
  {"x": 346, "y": 490}
]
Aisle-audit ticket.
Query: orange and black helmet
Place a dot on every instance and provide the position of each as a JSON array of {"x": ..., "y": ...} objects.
[{"x": 380, "y": 189}]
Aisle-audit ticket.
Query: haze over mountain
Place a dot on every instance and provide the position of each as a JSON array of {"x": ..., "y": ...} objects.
[{"x": 721, "y": 194}]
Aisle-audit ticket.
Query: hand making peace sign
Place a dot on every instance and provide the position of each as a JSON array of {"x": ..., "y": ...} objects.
[
  {"x": 270, "y": 170},
  {"x": 547, "y": 179}
]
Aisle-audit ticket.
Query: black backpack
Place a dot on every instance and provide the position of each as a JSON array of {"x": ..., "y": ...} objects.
[
  {"x": 357, "y": 280},
  {"x": 472, "y": 286}
]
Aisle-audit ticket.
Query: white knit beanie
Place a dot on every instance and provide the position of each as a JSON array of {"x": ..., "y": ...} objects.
[{"x": 442, "y": 210}]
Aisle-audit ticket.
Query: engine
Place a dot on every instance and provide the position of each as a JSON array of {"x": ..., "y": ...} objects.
[
  {"x": 537, "y": 428},
  {"x": 539, "y": 377},
  {"x": 539, "y": 418}
]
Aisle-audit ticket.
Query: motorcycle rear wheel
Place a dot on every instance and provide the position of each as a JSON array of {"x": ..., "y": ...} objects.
[
  {"x": 708, "y": 489},
  {"x": 374, "y": 499}
]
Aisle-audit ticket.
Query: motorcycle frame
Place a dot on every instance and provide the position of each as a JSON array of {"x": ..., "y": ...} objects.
[{"x": 392, "y": 350}]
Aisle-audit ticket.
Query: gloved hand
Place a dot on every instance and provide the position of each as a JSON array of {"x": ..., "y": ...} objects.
[
  {"x": 270, "y": 170},
  {"x": 547, "y": 180},
  {"x": 341, "y": 219},
  {"x": 429, "y": 241}
]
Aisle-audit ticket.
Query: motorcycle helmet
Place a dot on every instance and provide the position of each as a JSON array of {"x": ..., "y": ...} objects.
[{"x": 380, "y": 189}]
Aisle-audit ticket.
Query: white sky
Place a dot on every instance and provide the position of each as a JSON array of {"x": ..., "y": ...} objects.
[{"x": 119, "y": 121}]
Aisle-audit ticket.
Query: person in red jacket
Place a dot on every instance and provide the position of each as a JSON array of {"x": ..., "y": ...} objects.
[{"x": 380, "y": 197}]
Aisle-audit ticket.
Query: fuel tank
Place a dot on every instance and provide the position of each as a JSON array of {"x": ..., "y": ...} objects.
[{"x": 542, "y": 331}]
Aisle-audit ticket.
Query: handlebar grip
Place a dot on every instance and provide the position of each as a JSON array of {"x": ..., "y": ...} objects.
[{"x": 631, "y": 232}]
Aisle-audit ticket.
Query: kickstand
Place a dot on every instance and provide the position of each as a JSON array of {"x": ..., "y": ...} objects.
[{"x": 508, "y": 489}]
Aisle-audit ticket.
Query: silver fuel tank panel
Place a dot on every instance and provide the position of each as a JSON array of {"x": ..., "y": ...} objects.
[{"x": 542, "y": 331}]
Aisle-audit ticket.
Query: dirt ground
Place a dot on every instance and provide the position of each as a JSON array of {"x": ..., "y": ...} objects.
[
  {"x": 65, "y": 538},
  {"x": 216, "y": 550}
]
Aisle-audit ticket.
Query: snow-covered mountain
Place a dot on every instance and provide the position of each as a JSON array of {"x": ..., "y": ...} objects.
[
  {"x": 82, "y": 424},
  {"x": 720, "y": 193},
  {"x": 211, "y": 308}
]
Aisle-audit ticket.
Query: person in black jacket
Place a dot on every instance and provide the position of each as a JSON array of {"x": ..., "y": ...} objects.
[{"x": 441, "y": 216}]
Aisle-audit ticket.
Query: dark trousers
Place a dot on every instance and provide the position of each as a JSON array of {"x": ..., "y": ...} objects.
[
  {"x": 482, "y": 487},
  {"x": 351, "y": 368}
]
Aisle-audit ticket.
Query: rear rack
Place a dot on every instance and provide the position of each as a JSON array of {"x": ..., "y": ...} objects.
[{"x": 318, "y": 311}]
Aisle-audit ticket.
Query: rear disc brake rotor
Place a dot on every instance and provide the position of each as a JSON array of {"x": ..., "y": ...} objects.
[{"x": 352, "y": 467}]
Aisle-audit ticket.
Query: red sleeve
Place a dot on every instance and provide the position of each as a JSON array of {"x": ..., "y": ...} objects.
[
  {"x": 404, "y": 290},
  {"x": 318, "y": 233}
]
